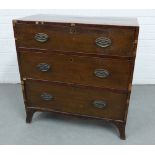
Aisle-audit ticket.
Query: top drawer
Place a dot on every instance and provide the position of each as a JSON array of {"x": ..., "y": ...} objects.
[{"x": 103, "y": 40}]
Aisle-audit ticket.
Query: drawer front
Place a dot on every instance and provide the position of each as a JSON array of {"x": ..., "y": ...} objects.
[
  {"x": 75, "y": 100},
  {"x": 115, "y": 41},
  {"x": 93, "y": 71}
]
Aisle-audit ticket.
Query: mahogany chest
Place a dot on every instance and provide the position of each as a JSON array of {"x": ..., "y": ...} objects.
[{"x": 77, "y": 66}]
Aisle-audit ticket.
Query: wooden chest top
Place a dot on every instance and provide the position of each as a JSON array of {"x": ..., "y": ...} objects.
[{"x": 114, "y": 21}]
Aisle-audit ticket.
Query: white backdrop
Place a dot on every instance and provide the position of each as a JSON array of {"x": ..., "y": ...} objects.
[{"x": 145, "y": 62}]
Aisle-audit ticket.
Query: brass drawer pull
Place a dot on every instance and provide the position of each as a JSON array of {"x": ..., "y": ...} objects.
[
  {"x": 46, "y": 97},
  {"x": 41, "y": 37},
  {"x": 101, "y": 73},
  {"x": 43, "y": 67},
  {"x": 103, "y": 42},
  {"x": 99, "y": 104}
]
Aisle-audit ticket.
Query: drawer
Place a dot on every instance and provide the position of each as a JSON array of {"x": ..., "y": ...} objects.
[
  {"x": 106, "y": 40},
  {"x": 75, "y": 100},
  {"x": 84, "y": 70}
]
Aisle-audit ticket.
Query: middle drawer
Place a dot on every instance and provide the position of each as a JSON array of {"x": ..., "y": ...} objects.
[{"x": 84, "y": 70}]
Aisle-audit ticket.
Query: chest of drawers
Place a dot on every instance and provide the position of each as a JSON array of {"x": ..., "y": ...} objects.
[{"x": 77, "y": 66}]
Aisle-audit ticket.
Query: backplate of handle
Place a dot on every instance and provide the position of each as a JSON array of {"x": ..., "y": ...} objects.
[
  {"x": 103, "y": 42},
  {"x": 46, "y": 96},
  {"x": 41, "y": 37},
  {"x": 99, "y": 104},
  {"x": 101, "y": 73},
  {"x": 43, "y": 67}
]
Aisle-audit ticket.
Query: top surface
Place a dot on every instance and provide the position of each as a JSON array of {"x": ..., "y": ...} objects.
[{"x": 120, "y": 21}]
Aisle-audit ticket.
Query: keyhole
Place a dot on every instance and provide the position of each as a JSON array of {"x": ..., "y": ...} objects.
[
  {"x": 71, "y": 60},
  {"x": 72, "y": 30}
]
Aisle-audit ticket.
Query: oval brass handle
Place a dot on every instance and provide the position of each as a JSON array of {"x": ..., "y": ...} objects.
[
  {"x": 101, "y": 73},
  {"x": 43, "y": 67},
  {"x": 46, "y": 97},
  {"x": 99, "y": 104},
  {"x": 103, "y": 42},
  {"x": 41, "y": 37}
]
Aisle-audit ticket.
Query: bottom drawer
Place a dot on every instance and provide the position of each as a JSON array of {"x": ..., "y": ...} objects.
[{"x": 75, "y": 100}]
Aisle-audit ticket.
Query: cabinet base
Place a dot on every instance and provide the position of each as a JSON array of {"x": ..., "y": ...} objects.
[{"x": 120, "y": 125}]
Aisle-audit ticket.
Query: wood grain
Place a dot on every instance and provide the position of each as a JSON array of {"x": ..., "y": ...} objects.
[
  {"x": 73, "y": 56},
  {"x": 76, "y": 69},
  {"x": 75, "y": 100},
  {"x": 81, "y": 40}
]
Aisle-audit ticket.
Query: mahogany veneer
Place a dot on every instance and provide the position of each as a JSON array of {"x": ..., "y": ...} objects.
[{"x": 77, "y": 66}]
